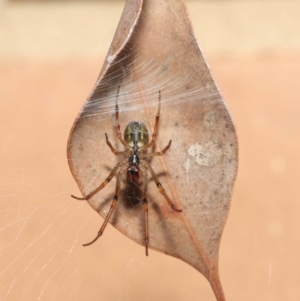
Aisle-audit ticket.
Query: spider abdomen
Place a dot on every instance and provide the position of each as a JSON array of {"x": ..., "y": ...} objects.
[{"x": 133, "y": 174}]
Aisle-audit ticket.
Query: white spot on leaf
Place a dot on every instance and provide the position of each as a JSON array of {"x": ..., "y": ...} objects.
[
  {"x": 207, "y": 154},
  {"x": 209, "y": 120}
]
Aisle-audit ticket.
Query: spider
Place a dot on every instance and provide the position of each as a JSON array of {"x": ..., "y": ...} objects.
[{"x": 133, "y": 165}]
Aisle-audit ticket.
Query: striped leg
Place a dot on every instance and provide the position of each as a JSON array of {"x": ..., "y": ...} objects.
[
  {"x": 118, "y": 128},
  {"x": 160, "y": 187},
  {"x": 112, "y": 207},
  {"x": 107, "y": 180},
  {"x": 145, "y": 205},
  {"x": 151, "y": 143},
  {"x": 159, "y": 153}
]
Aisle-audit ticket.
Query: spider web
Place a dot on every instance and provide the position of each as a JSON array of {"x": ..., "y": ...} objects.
[{"x": 42, "y": 228}]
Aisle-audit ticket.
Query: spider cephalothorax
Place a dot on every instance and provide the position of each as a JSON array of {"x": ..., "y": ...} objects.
[{"x": 134, "y": 162}]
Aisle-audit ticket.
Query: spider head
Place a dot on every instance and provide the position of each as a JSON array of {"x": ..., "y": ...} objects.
[
  {"x": 133, "y": 174},
  {"x": 136, "y": 131}
]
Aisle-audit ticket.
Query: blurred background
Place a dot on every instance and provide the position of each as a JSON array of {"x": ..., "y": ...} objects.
[{"x": 51, "y": 53}]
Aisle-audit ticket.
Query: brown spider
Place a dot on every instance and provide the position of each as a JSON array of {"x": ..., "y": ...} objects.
[{"x": 136, "y": 141}]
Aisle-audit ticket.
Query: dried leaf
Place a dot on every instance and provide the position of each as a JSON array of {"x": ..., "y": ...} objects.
[{"x": 154, "y": 49}]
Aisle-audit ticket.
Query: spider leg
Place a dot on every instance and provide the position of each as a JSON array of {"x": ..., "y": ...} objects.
[
  {"x": 111, "y": 147},
  {"x": 112, "y": 207},
  {"x": 160, "y": 187},
  {"x": 107, "y": 180},
  {"x": 155, "y": 126},
  {"x": 159, "y": 153},
  {"x": 118, "y": 128},
  {"x": 145, "y": 205}
]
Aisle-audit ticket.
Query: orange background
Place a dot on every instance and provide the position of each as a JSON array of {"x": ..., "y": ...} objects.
[{"x": 50, "y": 57}]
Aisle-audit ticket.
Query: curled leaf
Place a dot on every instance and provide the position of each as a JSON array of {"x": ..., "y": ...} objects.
[{"x": 154, "y": 49}]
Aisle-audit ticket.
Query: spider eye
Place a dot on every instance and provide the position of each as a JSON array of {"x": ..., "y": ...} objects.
[{"x": 136, "y": 131}]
